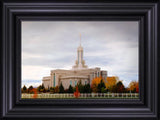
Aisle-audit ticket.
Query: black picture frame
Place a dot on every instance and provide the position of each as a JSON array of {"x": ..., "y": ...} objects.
[{"x": 144, "y": 108}]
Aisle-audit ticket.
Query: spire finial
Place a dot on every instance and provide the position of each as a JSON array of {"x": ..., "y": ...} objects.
[{"x": 80, "y": 39}]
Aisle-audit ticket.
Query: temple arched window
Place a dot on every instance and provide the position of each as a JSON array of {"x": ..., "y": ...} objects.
[
  {"x": 70, "y": 82},
  {"x": 86, "y": 82},
  {"x": 75, "y": 83}
]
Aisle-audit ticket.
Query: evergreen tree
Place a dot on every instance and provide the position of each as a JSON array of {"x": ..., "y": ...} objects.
[
  {"x": 39, "y": 88},
  {"x": 30, "y": 87},
  {"x": 61, "y": 88},
  {"x": 103, "y": 90},
  {"x": 87, "y": 89},
  {"x": 24, "y": 88},
  {"x": 48, "y": 90},
  {"x": 70, "y": 90},
  {"x": 80, "y": 87},
  {"x": 120, "y": 87},
  {"x": 42, "y": 86},
  {"x": 100, "y": 86}
]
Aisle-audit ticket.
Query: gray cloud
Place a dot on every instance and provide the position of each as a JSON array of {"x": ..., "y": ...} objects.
[{"x": 110, "y": 45}]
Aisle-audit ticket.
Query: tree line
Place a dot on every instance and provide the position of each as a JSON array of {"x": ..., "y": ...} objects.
[{"x": 98, "y": 85}]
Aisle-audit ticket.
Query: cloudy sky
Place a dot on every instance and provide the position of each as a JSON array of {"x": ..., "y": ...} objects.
[{"x": 112, "y": 46}]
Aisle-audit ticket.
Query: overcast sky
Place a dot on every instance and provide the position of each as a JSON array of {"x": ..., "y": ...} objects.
[{"x": 112, "y": 46}]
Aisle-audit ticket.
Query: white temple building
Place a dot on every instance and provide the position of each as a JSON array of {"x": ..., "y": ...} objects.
[{"x": 79, "y": 71}]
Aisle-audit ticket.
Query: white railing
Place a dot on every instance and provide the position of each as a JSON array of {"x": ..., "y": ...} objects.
[{"x": 84, "y": 95}]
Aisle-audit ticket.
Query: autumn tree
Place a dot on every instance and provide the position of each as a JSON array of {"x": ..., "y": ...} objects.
[
  {"x": 56, "y": 90},
  {"x": 94, "y": 88},
  {"x": 96, "y": 80},
  {"x": 120, "y": 87},
  {"x": 137, "y": 88},
  {"x": 94, "y": 84},
  {"x": 52, "y": 89},
  {"x": 134, "y": 86},
  {"x": 66, "y": 90},
  {"x": 30, "y": 89},
  {"x": 35, "y": 93},
  {"x": 111, "y": 82},
  {"x": 77, "y": 93}
]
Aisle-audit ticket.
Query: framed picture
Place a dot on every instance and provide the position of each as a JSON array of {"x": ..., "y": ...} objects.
[
  {"x": 104, "y": 77},
  {"x": 79, "y": 60}
]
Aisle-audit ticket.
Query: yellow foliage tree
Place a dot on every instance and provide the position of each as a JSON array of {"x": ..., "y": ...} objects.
[
  {"x": 111, "y": 81},
  {"x": 95, "y": 83},
  {"x": 96, "y": 80}
]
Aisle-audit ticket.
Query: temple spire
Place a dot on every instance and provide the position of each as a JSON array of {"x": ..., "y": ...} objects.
[
  {"x": 80, "y": 63},
  {"x": 80, "y": 39}
]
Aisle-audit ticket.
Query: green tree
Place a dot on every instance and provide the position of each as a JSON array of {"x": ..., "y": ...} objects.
[
  {"x": 101, "y": 85},
  {"x": 87, "y": 89},
  {"x": 42, "y": 86},
  {"x": 24, "y": 89},
  {"x": 70, "y": 90},
  {"x": 39, "y": 88},
  {"x": 48, "y": 90},
  {"x": 74, "y": 89},
  {"x": 103, "y": 90},
  {"x": 80, "y": 87},
  {"x": 52, "y": 89},
  {"x": 61, "y": 88}
]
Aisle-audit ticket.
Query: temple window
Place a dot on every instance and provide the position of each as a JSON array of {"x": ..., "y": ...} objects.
[
  {"x": 70, "y": 82},
  {"x": 85, "y": 82},
  {"x": 75, "y": 83}
]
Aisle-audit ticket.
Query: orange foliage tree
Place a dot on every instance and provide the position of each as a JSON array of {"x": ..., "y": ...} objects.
[
  {"x": 77, "y": 93},
  {"x": 56, "y": 90},
  {"x": 111, "y": 81},
  {"x": 95, "y": 83},
  {"x": 35, "y": 93},
  {"x": 134, "y": 86}
]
